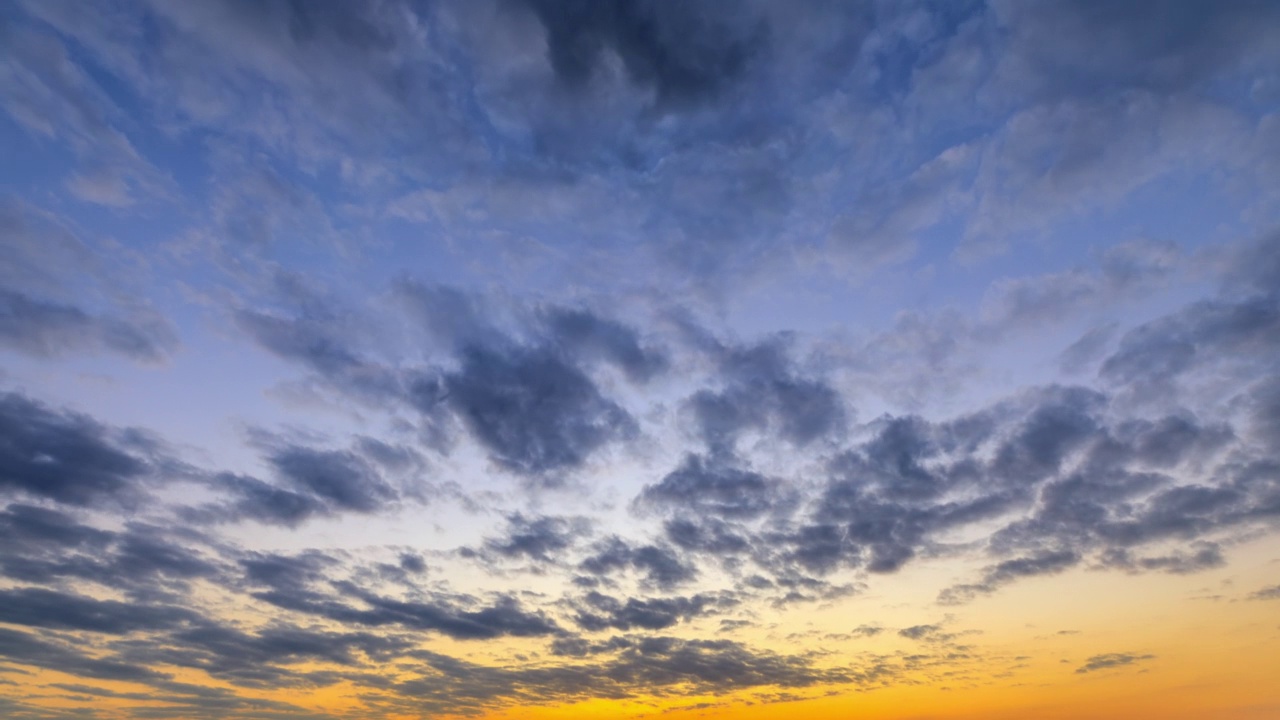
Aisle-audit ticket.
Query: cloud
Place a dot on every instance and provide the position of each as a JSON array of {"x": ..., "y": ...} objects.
[
  {"x": 585, "y": 334},
  {"x": 51, "y": 95},
  {"x": 64, "y": 456},
  {"x": 529, "y": 402},
  {"x": 38, "y": 607},
  {"x": 321, "y": 343},
  {"x": 1083, "y": 46},
  {"x": 660, "y": 566},
  {"x": 707, "y": 535},
  {"x": 28, "y": 649},
  {"x": 1111, "y": 660},
  {"x": 1156, "y": 354},
  {"x": 600, "y": 612},
  {"x": 311, "y": 482},
  {"x": 709, "y": 486},
  {"x": 44, "y": 316},
  {"x": 253, "y": 659},
  {"x": 466, "y": 621},
  {"x": 1124, "y": 270},
  {"x": 532, "y": 409},
  {"x": 150, "y": 566},
  {"x": 764, "y": 392},
  {"x": 576, "y": 168},
  {"x": 341, "y": 478},
  {"x": 1088, "y": 349},
  {"x": 919, "y": 632},
  {"x": 1206, "y": 557},
  {"x": 1053, "y": 473},
  {"x": 48, "y": 329},
  {"x": 261, "y": 501},
  {"x": 683, "y": 53},
  {"x": 637, "y": 666},
  {"x": 538, "y": 538},
  {"x": 1047, "y": 563},
  {"x": 1267, "y": 593}
]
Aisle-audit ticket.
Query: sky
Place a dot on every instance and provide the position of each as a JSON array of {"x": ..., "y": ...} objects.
[{"x": 564, "y": 359}]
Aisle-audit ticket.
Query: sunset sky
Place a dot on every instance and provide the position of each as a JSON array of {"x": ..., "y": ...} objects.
[{"x": 567, "y": 359}]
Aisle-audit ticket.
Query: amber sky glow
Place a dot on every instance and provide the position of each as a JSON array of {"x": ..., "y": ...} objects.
[{"x": 569, "y": 359}]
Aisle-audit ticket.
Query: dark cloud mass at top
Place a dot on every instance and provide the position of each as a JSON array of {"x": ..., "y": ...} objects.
[
  {"x": 685, "y": 52},
  {"x": 462, "y": 357}
]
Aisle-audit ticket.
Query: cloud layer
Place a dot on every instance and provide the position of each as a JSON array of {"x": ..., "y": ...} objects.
[{"x": 450, "y": 358}]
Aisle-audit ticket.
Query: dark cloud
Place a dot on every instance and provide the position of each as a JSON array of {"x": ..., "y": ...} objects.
[
  {"x": 261, "y": 501},
  {"x": 322, "y": 343},
  {"x": 503, "y": 618},
  {"x": 1059, "y": 476},
  {"x": 341, "y": 478},
  {"x": 312, "y": 482},
  {"x": 1152, "y": 356},
  {"x": 1111, "y": 660},
  {"x": 1168, "y": 441},
  {"x": 533, "y": 406},
  {"x": 585, "y": 335},
  {"x": 709, "y": 486},
  {"x": 764, "y": 392},
  {"x": 530, "y": 402},
  {"x": 533, "y": 410},
  {"x": 622, "y": 667},
  {"x": 389, "y": 456},
  {"x": 659, "y": 565},
  {"x": 30, "y": 527},
  {"x": 1003, "y": 573},
  {"x": 684, "y": 52},
  {"x": 818, "y": 547},
  {"x": 599, "y": 612},
  {"x": 286, "y": 571},
  {"x": 150, "y": 565},
  {"x": 1206, "y": 557},
  {"x": 329, "y": 24},
  {"x": 38, "y": 607},
  {"x": 253, "y": 659},
  {"x": 185, "y": 699},
  {"x": 919, "y": 632},
  {"x": 573, "y": 646},
  {"x": 883, "y": 502},
  {"x": 155, "y": 552},
  {"x": 412, "y": 563},
  {"x": 461, "y": 619},
  {"x": 1062, "y": 422},
  {"x": 64, "y": 456},
  {"x": 29, "y": 649},
  {"x": 722, "y": 664},
  {"x": 707, "y": 535},
  {"x": 537, "y": 538}
]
